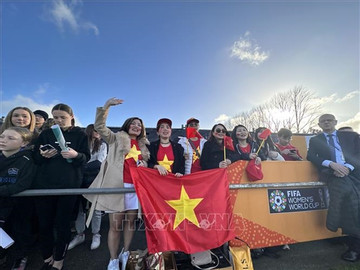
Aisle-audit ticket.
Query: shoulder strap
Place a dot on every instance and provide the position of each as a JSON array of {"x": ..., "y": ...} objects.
[{"x": 193, "y": 147}]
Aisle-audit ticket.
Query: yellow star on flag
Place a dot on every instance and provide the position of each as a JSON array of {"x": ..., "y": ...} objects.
[
  {"x": 184, "y": 207},
  {"x": 166, "y": 163},
  {"x": 195, "y": 156},
  {"x": 133, "y": 153}
]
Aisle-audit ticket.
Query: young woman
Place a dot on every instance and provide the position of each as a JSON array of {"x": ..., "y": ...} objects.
[
  {"x": 19, "y": 117},
  {"x": 127, "y": 148},
  {"x": 166, "y": 156},
  {"x": 213, "y": 153},
  {"x": 245, "y": 147},
  {"x": 268, "y": 150},
  {"x": 58, "y": 169},
  {"x": 98, "y": 150},
  {"x": 17, "y": 171}
]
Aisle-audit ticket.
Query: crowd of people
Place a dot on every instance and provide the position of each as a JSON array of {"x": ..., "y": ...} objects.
[{"x": 31, "y": 157}]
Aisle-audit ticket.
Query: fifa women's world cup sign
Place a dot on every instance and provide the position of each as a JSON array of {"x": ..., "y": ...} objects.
[{"x": 266, "y": 217}]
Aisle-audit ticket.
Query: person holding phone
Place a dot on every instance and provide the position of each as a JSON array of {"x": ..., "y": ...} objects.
[
  {"x": 288, "y": 151},
  {"x": 55, "y": 171}
]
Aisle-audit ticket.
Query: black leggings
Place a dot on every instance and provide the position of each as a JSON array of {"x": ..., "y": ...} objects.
[{"x": 55, "y": 213}]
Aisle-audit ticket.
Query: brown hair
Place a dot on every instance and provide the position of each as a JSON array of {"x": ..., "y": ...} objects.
[
  {"x": 25, "y": 133},
  {"x": 7, "y": 122},
  {"x": 97, "y": 142},
  {"x": 126, "y": 126},
  {"x": 65, "y": 108}
]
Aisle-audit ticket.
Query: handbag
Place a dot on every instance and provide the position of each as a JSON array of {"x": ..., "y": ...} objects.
[
  {"x": 241, "y": 258},
  {"x": 155, "y": 261},
  {"x": 253, "y": 171},
  {"x": 204, "y": 258}
]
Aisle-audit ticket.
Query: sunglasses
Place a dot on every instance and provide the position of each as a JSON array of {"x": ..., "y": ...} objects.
[{"x": 220, "y": 130}]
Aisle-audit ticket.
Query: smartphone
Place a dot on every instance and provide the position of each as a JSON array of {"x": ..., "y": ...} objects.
[
  {"x": 293, "y": 151},
  {"x": 46, "y": 147}
]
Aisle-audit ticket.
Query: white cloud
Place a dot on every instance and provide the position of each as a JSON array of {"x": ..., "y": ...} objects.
[
  {"x": 42, "y": 89},
  {"x": 19, "y": 100},
  {"x": 248, "y": 51},
  {"x": 63, "y": 14},
  {"x": 221, "y": 118},
  {"x": 352, "y": 122},
  {"x": 347, "y": 96}
]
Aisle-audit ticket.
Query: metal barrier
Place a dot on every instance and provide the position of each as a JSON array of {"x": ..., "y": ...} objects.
[{"x": 80, "y": 191}]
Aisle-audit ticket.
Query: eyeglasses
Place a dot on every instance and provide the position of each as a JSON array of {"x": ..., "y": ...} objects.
[{"x": 220, "y": 130}]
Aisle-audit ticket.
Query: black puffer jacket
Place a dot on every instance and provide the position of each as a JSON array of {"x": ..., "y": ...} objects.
[{"x": 56, "y": 172}]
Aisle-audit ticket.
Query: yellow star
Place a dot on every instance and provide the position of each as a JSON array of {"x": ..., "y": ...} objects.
[
  {"x": 166, "y": 163},
  {"x": 184, "y": 208},
  {"x": 195, "y": 156},
  {"x": 133, "y": 153}
]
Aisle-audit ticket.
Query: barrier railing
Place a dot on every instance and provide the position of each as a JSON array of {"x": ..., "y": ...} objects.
[{"x": 80, "y": 191}]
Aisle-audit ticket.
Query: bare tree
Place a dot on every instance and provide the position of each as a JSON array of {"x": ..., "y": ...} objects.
[{"x": 293, "y": 109}]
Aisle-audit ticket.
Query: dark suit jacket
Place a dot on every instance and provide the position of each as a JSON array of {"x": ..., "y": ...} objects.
[{"x": 350, "y": 145}]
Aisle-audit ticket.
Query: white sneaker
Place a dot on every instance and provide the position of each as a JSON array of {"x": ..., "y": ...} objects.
[
  {"x": 78, "y": 239},
  {"x": 95, "y": 243},
  {"x": 113, "y": 264},
  {"x": 124, "y": 259}
]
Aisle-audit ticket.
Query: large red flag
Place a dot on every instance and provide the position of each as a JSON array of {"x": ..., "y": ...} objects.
[
  {"x": 188, "y": 214},
  {"x": 192, "y": 133},
  {"x": 228, "y": 142}
]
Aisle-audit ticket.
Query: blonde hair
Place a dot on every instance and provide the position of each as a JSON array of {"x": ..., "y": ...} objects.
[
  {"x": 25, "y": 134},
  {"x": 7, "y": 122}
]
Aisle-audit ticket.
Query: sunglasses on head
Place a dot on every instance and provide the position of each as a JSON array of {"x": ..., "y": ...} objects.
[{"x": 220, "y": 130}]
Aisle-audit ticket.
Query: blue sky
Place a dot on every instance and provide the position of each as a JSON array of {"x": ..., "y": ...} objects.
[{"x": 178, "y": 59}]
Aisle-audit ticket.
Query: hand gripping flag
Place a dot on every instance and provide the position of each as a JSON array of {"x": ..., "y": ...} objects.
[
  {"x": 192, "y": 133},
  {"x": 189, "y": 214}
]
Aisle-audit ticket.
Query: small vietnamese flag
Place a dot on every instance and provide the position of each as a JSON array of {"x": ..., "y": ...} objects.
[
  {"x": 192, "y": 133},
  {"x": 265, "y": 134},
  {"x": 228, "y": 143}
]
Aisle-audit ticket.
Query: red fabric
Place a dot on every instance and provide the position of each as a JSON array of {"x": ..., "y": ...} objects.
[
  {"x": 254, "y": 171},
  {"x": 213, "y": 213},
  {"x": 265, "y": 134},
  {"x": 195, "y": 167},
  {"x": 192, "y": 132},
  {"x": 130, "y": 162},
  {"x": 246, "y": 149},
  {"x": 228, "y": 142},
  {"x": 290, "y": 147},
  {"x": 168, "y": 151}
]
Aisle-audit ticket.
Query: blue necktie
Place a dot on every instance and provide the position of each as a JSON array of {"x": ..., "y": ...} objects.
[{"x": 332, "y": 147}]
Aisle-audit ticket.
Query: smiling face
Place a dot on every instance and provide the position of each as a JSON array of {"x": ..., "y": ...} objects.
[
  {"x": 164, "y": 131},
  {"x": 135, "y": 128},
  {"x": 219, "y": 132},
  {"x": 11, "y": 142},
  {"x": 62, "y": 118},
  {"x": 242, "y": 133},
  {"x": 21, "y": 118}
]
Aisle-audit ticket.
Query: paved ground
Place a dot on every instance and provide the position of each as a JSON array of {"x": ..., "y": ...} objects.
[{"x": 316, "y": 255}]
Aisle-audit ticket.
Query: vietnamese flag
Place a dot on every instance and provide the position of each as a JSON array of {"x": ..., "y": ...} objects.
[
  {"x": 190, "y": 214},
  {"x": 192, "y": 133},
  {"x": 228, "y": 143},
  {"x": 265, "y": 134}
]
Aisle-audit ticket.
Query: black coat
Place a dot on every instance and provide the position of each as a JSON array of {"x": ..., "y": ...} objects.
[
  {"x": 212, "y": 154},
  {"x": 56, "y": 172},
  {"x": 179, "y": 160},
  {"x": 344, "y": 208},
  {"x": 16, "y": 174}
]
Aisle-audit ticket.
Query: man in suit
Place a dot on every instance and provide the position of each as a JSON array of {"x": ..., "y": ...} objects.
[{"x": 337, "y": 156}]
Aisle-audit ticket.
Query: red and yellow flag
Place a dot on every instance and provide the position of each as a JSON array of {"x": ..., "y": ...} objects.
[{"x": 188, "y": 214}]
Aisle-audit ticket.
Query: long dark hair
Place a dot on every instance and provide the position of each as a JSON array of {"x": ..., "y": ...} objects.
[
  {"x": 95, "y": 145},
  {"x": 211, "y": 136},
  {"x": 126, "y": 126},
  {"x": 65, "y": 108},
  {"x": 249, "y": 139}
]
